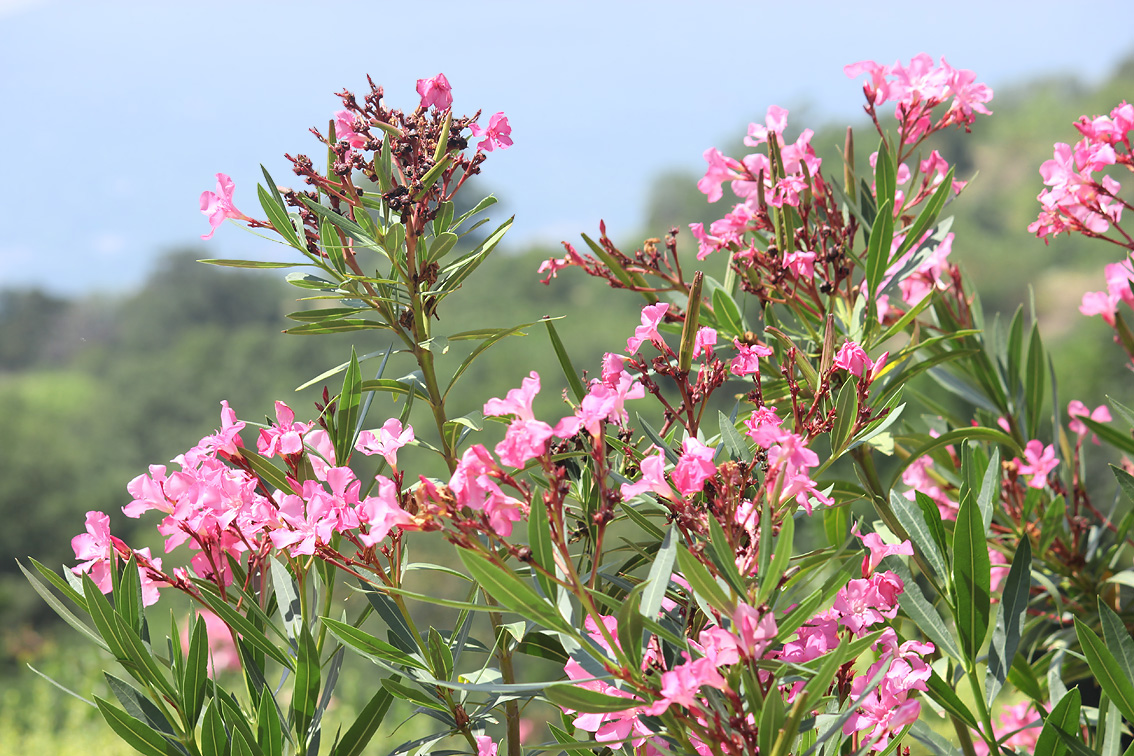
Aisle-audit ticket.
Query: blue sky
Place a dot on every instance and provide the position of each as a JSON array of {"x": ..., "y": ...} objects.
[{"x": 117, "y": 115}]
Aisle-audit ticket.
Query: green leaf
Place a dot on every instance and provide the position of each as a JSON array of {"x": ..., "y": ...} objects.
[
  {"x": 943, "y": 695},
  {"x": 1034, "y": 382},
  {"x": 365, "y": 725},
  {"x": 137, "y": 734},
  {"x": 346, "y": 416},
  {"x": 332, "y": 246},
  {"x": 503, "y": 585},
  {"x": 772, "y": 718},
  {"x": 274, "y": 207},
  {"x": 1107, "y": 671},
  {"x": 137, "y": 705},
  {"x": 724, "y": 557},
  {"x": 971, "y": 579},
  {"x": 1013, "y": 608},
  {"x": 1064, "y": 716},
  {"x": 413, "y": 695},
  {"x": 254, "y": 264},
  {"x": 392, "y": 386},
  {"x": 539, "y": 541},
  {"x": 846, "y": 414},
  {"x": 1023, "y": 679},
  {"x": 588, "y": 701},
  {"x": 703, "y": 583},
  {"x": 1117, "y": 639},
  {"x": 915, "y": 606},
  {"x": 731, "y": 439},
  {"x": 58, "y": 606},
  {"x": 878, "y": 250},
  {"x": 784, "y": 548},
  {"x": 631, "y": 626},
  {"x": 441, "y": 655},
  {"x": 341, "y": 325},
  {"x": 196, "y": 672},
  {"x": 730, "y": 320},
  {"x": 369, "y": 646},
  {"x": 442, "y": 245},
  {"x": 928, "y": 215},
  {"x": 658, "y": 579},
  {"x": 956, "y": 436},
  {"x": 269, "y": 726},
  {"x": 544, "y": 646},
  {"x": 919, "y": 526},
  {"x": 576, "y": 385},
  {"x": 214, "y": 739},
  {"x": 1121, "y": 441},
  {"x": 305, "y": 689},
  {"x": 245, "y": 628}
]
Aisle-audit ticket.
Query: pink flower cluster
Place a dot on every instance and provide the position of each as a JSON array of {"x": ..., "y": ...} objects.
[
  {"x": 752, "y": 178},
  {"x": 1075, "y": 199},
  {"x": 215, "y": 504},
  {"x": 917, "y": 89},
  {"x": 789, "y": 464},
  {"x": 1119, "y": 279},
  {"x": 750, "y": 634}
]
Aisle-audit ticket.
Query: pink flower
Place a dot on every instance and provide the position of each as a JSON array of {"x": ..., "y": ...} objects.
[
  {"x": 344, "y": 130},
  {"x": 879, "y": 550},
  {"x": 801, "y": 264},
  {"x": 389, "y": 438},
  {"x": 852, "y": 359},
  {"x": 1040, "y": 462},
  {"x": 652, "y": 315},
  {"x": 653, "y": 479},
  {"x": 754, "y": 631},
  {"x": 285, "y": 437},
  {"x": 485, "y": 746},
  {"x": 1100, "y": 303},
  {"x": 381, "y": 513},
  {"x": 435, "y": 92},
  {"x": 498, "y": 133},
  {"x": 694, "y": 468},
  {"x": 1077, "y": 409},
  {"x": 747, "y": 359},
  {"x": 682, "y": 685},
  {"x": 1022, "y": 721},
  {"x": 704, "y": 341},
  {"x": 218, "y": 205},
  {"x": 96, "y": 547}
]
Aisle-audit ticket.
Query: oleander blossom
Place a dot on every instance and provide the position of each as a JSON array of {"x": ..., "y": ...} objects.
[
  {"x": 435, "y": 92},
  {"x": 218, "y": 205},
  {"x": 497, "y": 134}
]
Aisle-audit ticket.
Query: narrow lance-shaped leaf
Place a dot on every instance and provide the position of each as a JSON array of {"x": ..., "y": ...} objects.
[
  {"x": 1107, "y": 670},
  {"x": 658, "y": 579},
  {"x": 1013, "y": 606},
  {"x": 971, "y": 579},
  {"x": 346, "y": 417}
]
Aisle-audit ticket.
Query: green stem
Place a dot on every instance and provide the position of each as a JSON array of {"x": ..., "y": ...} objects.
[{"x": 507, "y": 676}]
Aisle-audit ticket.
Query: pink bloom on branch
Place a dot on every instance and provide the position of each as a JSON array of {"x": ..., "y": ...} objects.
[
  {"x": 694, "y": 468},
  {"x": 1077, "y": 409},
  {"x": 1040, "y": 461},
  {"x": 704, "y": 341},
  {"x": 485, "y": 746},
  {"x": 853, "y": 359},
  {"x": 95, "y": 549},
  {"x": 388, "y": 439},
  {"x": 344, "y": 130},
  {"x": 747, "y": 359},
  {"x": 652, "y": 316},
  {"x": 498, "y": 133},
  {"x": 435, "y": 92},
  {"x": 653, "y": 479},
  {"x": 879, "y": 550},
  {"x": 285, "y": 436},
  {"x": 218, "y": 205}
]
